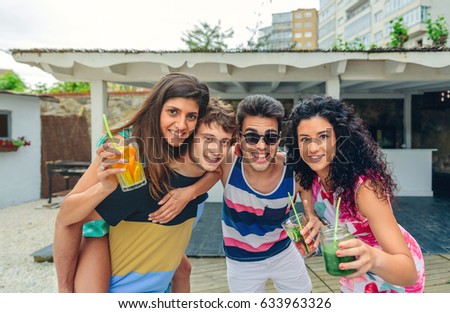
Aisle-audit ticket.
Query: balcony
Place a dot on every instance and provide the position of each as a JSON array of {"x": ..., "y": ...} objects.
[{"x": 356, "y": 6}]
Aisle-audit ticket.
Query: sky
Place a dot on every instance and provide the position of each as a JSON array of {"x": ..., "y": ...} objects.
[{"x": 119, "y": 24}]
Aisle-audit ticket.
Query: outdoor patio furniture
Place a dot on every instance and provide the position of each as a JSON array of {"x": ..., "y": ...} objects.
[{"x": 65, "y": 168}]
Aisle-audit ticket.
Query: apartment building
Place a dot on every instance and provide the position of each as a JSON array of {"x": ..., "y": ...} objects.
[
  {"x": 368, "y": 20},
  {"x": 305, "y": 29},
  {"x": 291, "y": 30}
]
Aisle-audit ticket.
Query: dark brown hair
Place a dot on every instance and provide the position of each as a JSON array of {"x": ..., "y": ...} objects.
[
  {"x": 357, "y": 154},
  {"x": 146, "y": 126},
  {"x": 260, "y": 105},
  {"x": 221, "y": 113}
]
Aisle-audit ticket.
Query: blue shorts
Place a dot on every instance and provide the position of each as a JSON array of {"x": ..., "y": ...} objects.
[{"x": 96, "y": 228}]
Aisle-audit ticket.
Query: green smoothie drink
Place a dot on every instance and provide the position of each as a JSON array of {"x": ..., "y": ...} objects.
[{"x": 329, "y": 243}]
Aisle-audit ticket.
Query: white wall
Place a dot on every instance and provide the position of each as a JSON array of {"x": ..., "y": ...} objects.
[
  {"x": 20, "y": 171},
  {"x": 413, "y": 171},
  {"x": 215, "y": 194}
]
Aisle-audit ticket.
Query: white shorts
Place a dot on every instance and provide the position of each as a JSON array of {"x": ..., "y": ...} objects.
[{"x": 287, "y": 270}]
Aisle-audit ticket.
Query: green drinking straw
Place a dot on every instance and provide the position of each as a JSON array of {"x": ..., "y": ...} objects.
[
  {"x": 105, "y": 121},
  {"x": 337, "y": 218},
  {"x": 126, "y": 175},
  {"x": 298, "y": 219}
]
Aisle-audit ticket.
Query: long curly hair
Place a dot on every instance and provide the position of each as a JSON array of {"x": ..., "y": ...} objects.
[{"x": 357, "y": 154}]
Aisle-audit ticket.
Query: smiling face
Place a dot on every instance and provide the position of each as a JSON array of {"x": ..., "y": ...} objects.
[
  {"x": 211, "y": 143},
  {"x": 317, "y": 143},
  {"x": 260, "y": 155},
  {"x": 178, "y": 119}
]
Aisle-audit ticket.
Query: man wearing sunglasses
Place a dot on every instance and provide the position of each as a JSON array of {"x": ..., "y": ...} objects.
[{"x": 257, "y": 180}]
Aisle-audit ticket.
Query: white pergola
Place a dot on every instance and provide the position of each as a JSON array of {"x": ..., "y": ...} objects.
[{"x": 233, "y": 75}]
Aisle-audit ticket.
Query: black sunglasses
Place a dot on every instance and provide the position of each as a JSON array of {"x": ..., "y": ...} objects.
[{"x": 253, "y": 138}]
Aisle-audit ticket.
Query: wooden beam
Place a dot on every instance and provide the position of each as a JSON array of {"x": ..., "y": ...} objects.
[
  {"x": 164, "y": 69},
  {"x": 282, "y": 69},
  {"x": 224, "y": 69},
  {"x": 338, "y": 68},
  {"x": 393, "y": 67},
  {"x": 241, "y": 85},
  {"x": 119, "y": 69},
  {"x": 274, "y": 86},
  {"x": 56, "y": 69}
]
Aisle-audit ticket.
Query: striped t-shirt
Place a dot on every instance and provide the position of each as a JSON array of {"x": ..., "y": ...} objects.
[
  {"x": 251, "y": 221},
  {"x": 145, "y": 255}
]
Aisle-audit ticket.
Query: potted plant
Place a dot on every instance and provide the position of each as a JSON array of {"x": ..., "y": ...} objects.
[{"x": 7, "y": 145}]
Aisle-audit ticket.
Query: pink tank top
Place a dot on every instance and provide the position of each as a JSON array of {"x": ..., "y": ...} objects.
[{"x": 324, "y": 206}]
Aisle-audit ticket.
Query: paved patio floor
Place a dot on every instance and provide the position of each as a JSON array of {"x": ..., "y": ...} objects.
[{"x": 426, "y": 218}]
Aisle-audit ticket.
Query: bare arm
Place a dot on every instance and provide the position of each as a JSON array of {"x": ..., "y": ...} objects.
[
  {"x": 67, "y": 236},
  {"x": 92, "y": 188},
  {"x": 177, "y": 199},
  {"x": 394, "y": 263},
  {"x": 314, "y": 224}
]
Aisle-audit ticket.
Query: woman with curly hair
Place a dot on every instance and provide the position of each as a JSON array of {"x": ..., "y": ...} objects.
[{"x": 335, "y": 157}]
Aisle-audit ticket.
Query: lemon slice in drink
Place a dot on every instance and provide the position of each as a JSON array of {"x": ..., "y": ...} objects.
[
  {"x": 138, "y": 172},
  {"x": 294, "y": 234}
]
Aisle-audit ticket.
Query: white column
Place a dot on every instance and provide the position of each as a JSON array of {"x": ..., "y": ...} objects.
[
  {"x": 407, "y": 121},
  {"x": 333, "y": 88},
  {"x": 99, "y": 101}
]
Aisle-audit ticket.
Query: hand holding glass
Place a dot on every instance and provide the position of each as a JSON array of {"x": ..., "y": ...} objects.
[
  {"x": 330, "y": 237},
  {"x": 293, "y": 229},
  {"x": 134, "y": 176}
]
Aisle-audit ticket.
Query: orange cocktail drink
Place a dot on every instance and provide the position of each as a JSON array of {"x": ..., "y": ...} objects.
[{"x": 134, "y": 176}]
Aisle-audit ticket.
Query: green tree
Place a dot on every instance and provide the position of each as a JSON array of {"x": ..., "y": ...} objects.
[
  {"x": 437, "y": 31},
  {"x": 12, "y": 81},
  {"x": 62, "y": 87},
  {"x": 342, "y": 45},
  {"x": 206, "y": 37},
  {"x": 41, "y": 88},
  {"x": 399, "y": 33},
  {"x": 339, "y": 45},
  {"x": 70, "y": 87},
  {"x": 254, "y": 43}
]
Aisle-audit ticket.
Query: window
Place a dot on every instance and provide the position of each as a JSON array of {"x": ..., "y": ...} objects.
[
  {"x": 365, "y": 39},
  {"x": 308, "y": 34},
  {"x": 378, "y": 16},
  {"x": 395, "y": 5},
  {"x": 5, "y": 124},
  {"x": 298, "y": 15},
  {"x": 308, "y": 24},
  {"x": 308, "y": 14},
  {"x": 326, "y": 29},
  {"x": 357, "y": 26},
  {"x": 378, "y": 36},
  {"x": 298, "y": 25},
  {"x": 298, "y": 35},
  {"x": 309, "y": 44},
  {"x": 326, "y": 43}
]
